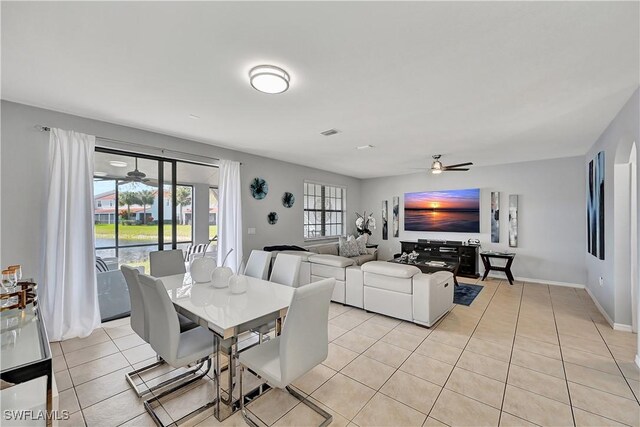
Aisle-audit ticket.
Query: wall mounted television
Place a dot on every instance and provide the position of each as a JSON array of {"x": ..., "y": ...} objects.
[{"x": 455, "y": 211}]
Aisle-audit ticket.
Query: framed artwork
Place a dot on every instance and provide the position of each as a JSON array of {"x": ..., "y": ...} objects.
[
  {"x": 513, "y": 220},
  {"x": 456, "y": 211},
  {"x": 495, "y": 217},
  {"x": 385, "y": 220},
  {"x": 396, "y": 216},
  {"x": 595, "y": 207}
]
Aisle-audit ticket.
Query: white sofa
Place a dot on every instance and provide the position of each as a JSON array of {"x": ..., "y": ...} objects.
[
  {"x": 322, "y": 261},
  {"x": 400, "y": 291}
]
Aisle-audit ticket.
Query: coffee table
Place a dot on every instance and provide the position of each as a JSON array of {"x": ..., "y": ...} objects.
[{"x": 429, "y": 267}]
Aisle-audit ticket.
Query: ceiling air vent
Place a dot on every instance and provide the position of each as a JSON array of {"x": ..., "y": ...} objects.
[{"x": 329, "y": 132}]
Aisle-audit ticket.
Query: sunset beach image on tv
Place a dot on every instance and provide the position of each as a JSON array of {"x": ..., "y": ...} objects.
[{"x": 455, "y": 211}]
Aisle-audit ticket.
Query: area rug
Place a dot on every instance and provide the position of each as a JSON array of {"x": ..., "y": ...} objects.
[{"x": 465, "y": 294}]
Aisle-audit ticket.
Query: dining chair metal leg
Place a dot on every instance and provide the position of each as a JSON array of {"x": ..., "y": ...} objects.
[
  {"x": 148, "y": 404},
  {"x": 176, "y": 379},
  {"x": 245, "y": 414},
  {"x": 129, "y": 376},
  {"x": 324, "y": 414}
]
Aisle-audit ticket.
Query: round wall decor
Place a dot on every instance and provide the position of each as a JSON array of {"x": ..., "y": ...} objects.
[
  {"x": 272, "y": 218},
  {"x": 259, "y": 188},
  {"x": 288, "y": 199}
]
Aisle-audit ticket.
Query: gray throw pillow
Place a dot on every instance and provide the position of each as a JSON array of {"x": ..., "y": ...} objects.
[
  {"x": 362, "y": 244},
  {"x": 352, "y": 247},
  {"x": 342, "y": 246}
]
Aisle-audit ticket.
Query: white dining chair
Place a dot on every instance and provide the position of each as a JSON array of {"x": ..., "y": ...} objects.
[
  {"x": 286, "y": 270},
  {"x": 303, "y": 344},
  {"x": 178, "y": 349},
  {"x": 258, "y": 264},
  {"x": 167, "y": 263},
  {"x": 139, "y": 321}
]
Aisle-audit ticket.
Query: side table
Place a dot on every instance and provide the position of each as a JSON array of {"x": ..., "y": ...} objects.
[{"x": 486, "y": 260}]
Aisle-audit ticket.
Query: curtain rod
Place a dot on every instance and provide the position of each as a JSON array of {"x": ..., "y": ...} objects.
[{"x": 42, "y": 128}]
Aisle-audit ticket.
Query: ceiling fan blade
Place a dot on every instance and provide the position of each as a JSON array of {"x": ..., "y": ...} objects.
[
  {"x": 458, "y": 165},
  {"x": 454, "y": 170}
]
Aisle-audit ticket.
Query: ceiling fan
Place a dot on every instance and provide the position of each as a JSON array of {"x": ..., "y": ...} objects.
[
  {"x": 438, "y": 167},
  {"x": 136, "y": 176}
]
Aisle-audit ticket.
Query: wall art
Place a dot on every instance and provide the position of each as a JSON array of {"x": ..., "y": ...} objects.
[
  {"x": 513, "y": 220},
  {"x": 456, "y": 211},
  {"x": 385, "y": 220},
  {"x": 272, "y": 218},
  {"x": 396, "y": 216},
  {"x": 495, "y": 217},
  {"x": 595, "y": 207},
  {"x": 259, "y": 188},
  {"x": 288, "y": 199}
]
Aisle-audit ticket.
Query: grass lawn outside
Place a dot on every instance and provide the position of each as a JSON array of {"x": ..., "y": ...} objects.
[{"x": 145, "y": 232}]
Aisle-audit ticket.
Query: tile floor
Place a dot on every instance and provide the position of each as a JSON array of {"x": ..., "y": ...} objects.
[{"x": 527, "y": 354}]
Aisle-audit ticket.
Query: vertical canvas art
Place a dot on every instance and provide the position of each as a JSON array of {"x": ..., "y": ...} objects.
[
  {"x": 513, "y": 220},
  {"x": 385, "y": 220},
  {"x": 495, "y": 217},
  {"x": 396, "y": 216},
  {"x": 595, "y": 207}
]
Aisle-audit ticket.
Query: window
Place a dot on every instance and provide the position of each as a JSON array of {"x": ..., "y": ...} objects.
[
  {"x": 324, "y": 210},
  {"x": 99, "y": 203}
]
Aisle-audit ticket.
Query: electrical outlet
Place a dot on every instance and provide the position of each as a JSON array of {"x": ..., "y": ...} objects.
[
  {"x": 601, "y": 281},
  {"x": 251, "y": 231}
]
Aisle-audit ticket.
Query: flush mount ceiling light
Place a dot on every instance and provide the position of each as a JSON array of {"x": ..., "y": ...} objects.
[
  {"x": 269, "y": 79},
  {"x": 118, "y": 164}
]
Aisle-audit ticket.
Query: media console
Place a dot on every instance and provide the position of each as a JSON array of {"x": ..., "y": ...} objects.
[{"x": 446, "y": 250}]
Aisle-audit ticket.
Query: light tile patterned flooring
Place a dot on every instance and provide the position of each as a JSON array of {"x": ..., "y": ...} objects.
[{"x": 526, "y": 354}]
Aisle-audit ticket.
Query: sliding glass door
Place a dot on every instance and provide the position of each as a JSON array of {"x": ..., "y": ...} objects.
[
  {"x": 143, "y": 204},
  {"x": 133, "y": 207}
]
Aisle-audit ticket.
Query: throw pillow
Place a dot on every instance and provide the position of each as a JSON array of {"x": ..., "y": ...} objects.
[
  {"x": 352, "y": 247},
  {"x": 362, "y": 244},
  {"x": 342, "y": 247}
]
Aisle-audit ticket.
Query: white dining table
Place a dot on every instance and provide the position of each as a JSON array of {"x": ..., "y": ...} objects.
[{"x": 227, "y": 315}]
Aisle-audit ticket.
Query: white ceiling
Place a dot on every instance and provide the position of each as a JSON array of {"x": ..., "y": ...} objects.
[{"x": 490, "y": 82}]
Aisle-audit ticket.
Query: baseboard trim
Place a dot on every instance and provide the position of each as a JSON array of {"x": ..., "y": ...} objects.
[
  {"x": 544, "y": 282},
  {"x": 600, "y": 309},
  {"x": 622, "y": 327}
]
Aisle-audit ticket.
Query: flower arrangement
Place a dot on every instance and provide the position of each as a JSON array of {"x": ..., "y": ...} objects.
[{"x": 364, "y": 223}]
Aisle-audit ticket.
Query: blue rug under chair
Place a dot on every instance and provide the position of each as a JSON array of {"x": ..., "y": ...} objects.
[{"x": 465, "y": 294}]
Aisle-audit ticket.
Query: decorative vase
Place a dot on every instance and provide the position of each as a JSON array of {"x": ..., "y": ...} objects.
[
  {"x": 201, "y": 269},
  {"x": 220, "y": 277},
  {"x": 237, "y": 284}
]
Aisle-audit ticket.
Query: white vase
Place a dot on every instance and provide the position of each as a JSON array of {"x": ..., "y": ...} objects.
[
  {"x": 238, "y": 284},
  {"x": 220, "y": 277},
  {"x": 201, "y": 269}
]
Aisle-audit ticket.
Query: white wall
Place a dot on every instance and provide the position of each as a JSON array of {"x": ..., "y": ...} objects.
[
  {"x": 616, "y": 142},
  {"x": 551, "y": 228},
  {"x": 23, "y": 152}
]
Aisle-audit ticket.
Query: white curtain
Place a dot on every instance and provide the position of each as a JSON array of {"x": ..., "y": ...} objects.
[
  {"x": 230, "y": 215},
  {"x": 70, "y": 297}
]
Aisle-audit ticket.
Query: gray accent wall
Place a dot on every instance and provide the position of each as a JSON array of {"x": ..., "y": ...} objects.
[
  {"x": 614, "y": 295},
  {"x": 24, "y": 154},
  {"x": 551, "y": 219}
]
